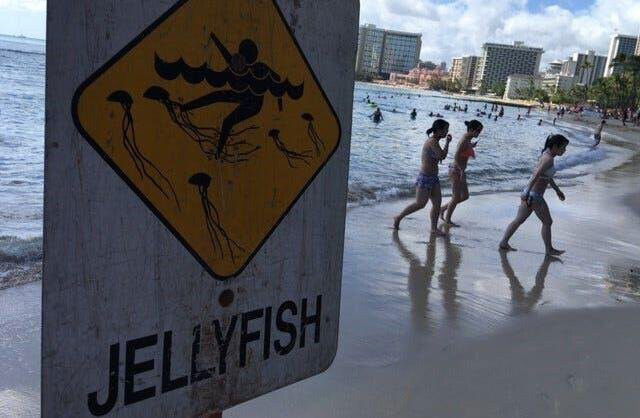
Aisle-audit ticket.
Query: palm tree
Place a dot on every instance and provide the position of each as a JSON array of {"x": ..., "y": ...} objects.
[
  {"x": 586, "y": 66},
  {"x": 630, "y": 67}
]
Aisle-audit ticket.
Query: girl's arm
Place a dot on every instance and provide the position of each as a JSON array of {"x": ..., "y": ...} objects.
[
  {"x": 445, "y": 151},
  {"x": 555, "y": 187}
]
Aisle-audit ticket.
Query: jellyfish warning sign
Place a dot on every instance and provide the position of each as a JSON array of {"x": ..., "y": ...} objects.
[{"x": 215, "y": 119}]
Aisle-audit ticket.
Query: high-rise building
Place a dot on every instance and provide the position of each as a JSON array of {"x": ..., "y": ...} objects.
[
  {"x": 585, "y": 68},
  {"x": 554, "y": 68},
  {"x": 499, "y": 61},
  {"x": 382, "y": 52},
  {"x": 463, "y": 69},
  {"x": 620, "y": 44},
  {"x": 517, "y": 85},
  {"x": 553, "y": 83}
]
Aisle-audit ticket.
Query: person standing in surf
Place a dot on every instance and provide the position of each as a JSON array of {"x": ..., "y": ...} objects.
[
  {"x": 428, "y": 182},
  {"x": 597, "y": 135},
  {"x": 458, "y": 168},
  {"x": 533, "y": 195}
]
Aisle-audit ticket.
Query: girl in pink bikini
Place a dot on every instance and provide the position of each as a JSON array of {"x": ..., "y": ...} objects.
[
  {"x": 428, "y": 182},
  {"x": 457, "y": 169}
]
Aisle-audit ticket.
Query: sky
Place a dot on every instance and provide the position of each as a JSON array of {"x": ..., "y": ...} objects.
[
  {"x": 450, "y": 28},
  {"x": 459, "y": 27}
]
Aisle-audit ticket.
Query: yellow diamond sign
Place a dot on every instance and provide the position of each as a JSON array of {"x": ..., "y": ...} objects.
[{"x": 215, "y": 119}]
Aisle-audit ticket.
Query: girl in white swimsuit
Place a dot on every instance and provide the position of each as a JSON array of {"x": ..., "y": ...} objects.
[{"x": 533, "y": 195}]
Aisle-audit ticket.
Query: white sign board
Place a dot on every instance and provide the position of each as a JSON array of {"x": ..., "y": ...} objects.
[{"x": 195, "y": 196}]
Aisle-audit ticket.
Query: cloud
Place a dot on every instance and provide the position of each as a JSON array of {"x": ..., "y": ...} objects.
[
  {"x": 460, "y": 27},
  {"x": 24, "y": 5}
]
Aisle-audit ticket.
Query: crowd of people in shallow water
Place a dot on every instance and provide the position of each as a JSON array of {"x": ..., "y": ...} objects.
[{"x": 433, "y": 153}]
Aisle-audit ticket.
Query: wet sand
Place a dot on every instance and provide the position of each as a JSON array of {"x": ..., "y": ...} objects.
[{"x": 450, "y": 327}]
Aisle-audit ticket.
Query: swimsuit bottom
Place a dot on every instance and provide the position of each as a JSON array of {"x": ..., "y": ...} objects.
[
  {"x": 454, "y": 169},
  {"x": 534, "y": 196},
  {"x": 428, "y": 182}
]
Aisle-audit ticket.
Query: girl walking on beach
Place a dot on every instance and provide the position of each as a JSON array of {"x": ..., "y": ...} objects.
[
  {"x": 428, "y": 182},
  {"x": 457, "y": 170},
  {"x": 533, "y": 195}
]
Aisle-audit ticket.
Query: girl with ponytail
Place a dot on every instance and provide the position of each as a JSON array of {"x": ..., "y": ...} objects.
[
  {"x": 428, "y": 182},
  {"x": 457, "y": 170},
  {"x": 533, "y": 195}
]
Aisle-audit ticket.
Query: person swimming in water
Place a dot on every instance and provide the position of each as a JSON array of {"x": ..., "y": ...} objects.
[
  {"x": 414, "y": 113},
  {"x": 597, "y": 135},
  {"x": 458, "y": 168},
  {"x": 376, "y": 116},
  {"x": 540, "y": 122},
  {"x": 428, "y": 182},
  {"x": 533, "y": 195},
  {"x": 249, "y": 82},
  {"x": 430, "y": 114}
]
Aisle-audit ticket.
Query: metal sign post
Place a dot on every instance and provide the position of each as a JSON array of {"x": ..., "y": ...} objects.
[{"x": 195, "y": 194}]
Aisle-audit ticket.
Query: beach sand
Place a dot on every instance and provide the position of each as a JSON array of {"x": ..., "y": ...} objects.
[{"x": 450, "y": 327}]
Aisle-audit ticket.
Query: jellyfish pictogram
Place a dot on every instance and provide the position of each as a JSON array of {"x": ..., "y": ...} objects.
[
  {"x": 292, "y": 156},
  {"x": 212, "y": 218},
  {"x": 236, "y": 150},
  {"x": 248, "y": 79},
  {"x": 144, "y": 166},
  {"x": 318, "y": 143}
]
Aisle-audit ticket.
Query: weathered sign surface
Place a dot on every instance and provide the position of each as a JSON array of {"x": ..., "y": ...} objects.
[
  {"x": 214, "y": 117},
  {"x": 195, "y": 190}
]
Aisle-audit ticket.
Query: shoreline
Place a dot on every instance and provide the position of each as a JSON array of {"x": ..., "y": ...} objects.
[
  {"x": 458, "y": 96},
  {"x": 426, "y": 317},
  {"x": 17, "y": 274},
  {"x": 423, "y": 318}
]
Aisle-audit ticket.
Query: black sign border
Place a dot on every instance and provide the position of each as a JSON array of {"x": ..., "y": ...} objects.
[{"x": 147, "y": 202}]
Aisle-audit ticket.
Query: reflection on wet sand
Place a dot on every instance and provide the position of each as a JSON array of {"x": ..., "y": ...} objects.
[
  {"x": 523, "y": 302},
  {"x": 421, "y": 275},
  {"x": 447, "y": 278}
]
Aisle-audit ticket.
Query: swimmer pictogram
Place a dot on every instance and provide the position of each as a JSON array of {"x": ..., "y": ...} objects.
[
  {"x": 215, "y": 118},
  {"x": 248, "y": 81}
]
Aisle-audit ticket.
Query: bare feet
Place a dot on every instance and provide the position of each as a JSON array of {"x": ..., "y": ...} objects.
[
  {"x": 553, "y": 259},
  {"x": 553, "y": 252},
  {"x": 451, "y": 224},
  {"x": 438, "y": 232},
  {"x": 396, "y": 223},
  {"x": 506, "y": 247}
]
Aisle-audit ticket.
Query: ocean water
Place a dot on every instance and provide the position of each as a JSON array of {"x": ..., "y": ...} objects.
[{"x": 385, "y": 158}]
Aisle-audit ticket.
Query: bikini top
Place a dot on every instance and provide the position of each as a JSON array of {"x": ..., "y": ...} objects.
[
  {"x": 548, "y": 173},
  {"x": 432, "y": 155}
]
